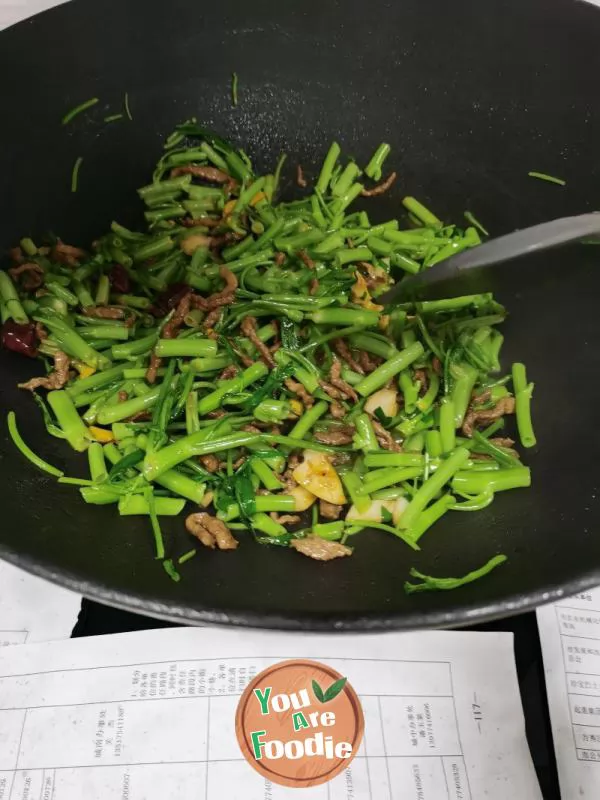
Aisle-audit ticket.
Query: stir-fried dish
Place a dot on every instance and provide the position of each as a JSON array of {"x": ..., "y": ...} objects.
[{"x": 233, "y": 363}]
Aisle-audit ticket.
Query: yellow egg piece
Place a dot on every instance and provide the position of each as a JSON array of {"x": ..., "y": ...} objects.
[
  {"x": 101, "y": 434},
  {"x": 258, "y": 198},
  {"x": 317, "y": 474},
  {"x": 85, "y": 371},
  {"x": 296, "y": 407},
  {"x": 228, "y": 207}
]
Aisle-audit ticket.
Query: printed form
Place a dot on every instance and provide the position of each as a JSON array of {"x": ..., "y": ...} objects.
[
  {"x": 151, "y": 715},
  {"x": 570, "y": 637},
  {"x": 32, "y": 609}
]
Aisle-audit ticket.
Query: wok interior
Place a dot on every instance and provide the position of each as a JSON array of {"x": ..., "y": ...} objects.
[{"x": 467, "y": 119}]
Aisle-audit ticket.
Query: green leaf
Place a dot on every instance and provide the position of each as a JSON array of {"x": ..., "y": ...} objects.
[
  {"x": 386, "y": 515},
  {"x": 335, "y": 689},
  {"x": 224, "y": 494},
  {"x": 431, "y": 584},
  {"x": 130, "y": 460},
  {"x": 272, "y": 383},
  {"x": 244, "y": 492},
  {"x": 162, "y": 410},
  {"x": 231, "y": 351},
  {"x": 318, "y": 692},
  {"x": 331, "y": 693},
  {"x": 238, "y": 489},
  {"x": 382, "y": 417},
  {"x": 52, "y": 429}
]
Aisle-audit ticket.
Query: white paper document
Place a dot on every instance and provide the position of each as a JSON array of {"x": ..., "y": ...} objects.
[
  {"x": 32, "y": 609},
  {"x": 151, "y": 715},
  {"x": 570, "y": 637},
  {"x": 13, "y": 11}
]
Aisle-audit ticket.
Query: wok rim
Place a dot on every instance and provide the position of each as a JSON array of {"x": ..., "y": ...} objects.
[{"x": 460, "y": 616}]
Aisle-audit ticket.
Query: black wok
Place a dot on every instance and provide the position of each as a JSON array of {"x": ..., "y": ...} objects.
[{"x": 471, "y": 96}]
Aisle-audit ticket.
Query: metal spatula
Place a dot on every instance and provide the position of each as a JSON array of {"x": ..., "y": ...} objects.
[{"x": 473, "y": 270}]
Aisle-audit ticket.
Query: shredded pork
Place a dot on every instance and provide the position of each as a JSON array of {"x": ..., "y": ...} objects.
[
  {"x": 476, "y": 417},
  {"x": 105, "y": 312},
  {"x": 337, "y": 410},
  {"x": 381, "y": 188},
  {"x": 502, "y": 441},
  {"x": 329, "y": 389},
  {"x": 56, "y": 379},
  {"x": 209, "y": 174},
  {"x": 300, "y": 391},
  {"x": 320, "y": 549},
  {"x": 368, "y": 362},
  {"x": 330, "y": 510},
  {"x": 306, "y": 259},
  {"x": 213, "y": 304},
  {"x": 181, "y": 311},
  {"x": 339, "y": 383},
  {"x": 31, "y": 275},
  {"x": 335, "y": 436},
  {"x": 210, "y": 531},
  {"x": 249, "y": 330},
  {"x": 16, "y": 255},
  {"x": 210, "y": 462},
  {"x": 343, "y": 351},
  {"x": 384, "y": 437},
  {"x": 67, "y": 254},
  {"x": 423, "y": 378},
  {"x": 300, "y": 179},
  {"x": 285, "y": 519},
  {"x": 251, "y": 429},
  {"x": 229, "y": 372},
  {"x": 169, "y": 332},
  {"x": 207, "y": 222}
]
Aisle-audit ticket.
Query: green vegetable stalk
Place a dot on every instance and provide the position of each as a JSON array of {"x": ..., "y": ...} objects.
[{"x": 231, "y": 357}]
